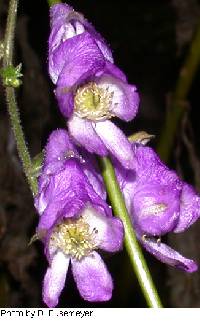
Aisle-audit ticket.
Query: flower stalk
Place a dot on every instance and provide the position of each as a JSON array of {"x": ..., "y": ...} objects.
[
  {"x": 134, "y": 251},
  {"x": 11, "y": 98}
]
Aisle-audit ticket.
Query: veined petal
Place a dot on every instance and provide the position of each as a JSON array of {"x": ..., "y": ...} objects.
[
  {"x": 51, "y": 214},
  {"x": 64, "y": 16},
  {"x": 58, "y": 13},
  {"x": 156, "y": 208},
  {"x": 114, "y": 71},
  {"x": 92, "y": 278},
  {"x": 75, "y": 58},
  {"x": 83, "y": 134},
  {"x": 67, "y": 192},
  {"x": 66, "y": 187},
  {"x": 106, "y": 51},
  {"x": 91, "y": 170},
  {"x": 110, "y": 231},
  {"x": 149, "y": 168},
  {"x": 127, "y": 182},
  {"x": 65, "y": 98},
  {"x": 59, "y": 146},
  {"x": 169, "y": 256},
  {"x": 125, "y": 99},
  {"x": 54, "y": 279},
  {"x": 116, "y": 142},
  {"x": 189, "y": 208}
]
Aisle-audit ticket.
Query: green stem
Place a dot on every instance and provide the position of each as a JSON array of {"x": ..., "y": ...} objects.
[
  {"x": 178, "y": 101},
  {"x": 134, "y": 251},
  {"x": 11, "y": 100},
  {"x": 9, "y": 35},
  {"x": 52, "y": 2}
]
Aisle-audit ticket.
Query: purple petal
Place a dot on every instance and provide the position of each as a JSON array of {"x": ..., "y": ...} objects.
[
  {"x": 64, "y": 206},
  {"x": 114, "y": 71},
  {"x": 60, "y": 30},
  {"x": 40, "y": 201},
  {"x": 125, "y": 100},
  {"x": 84, "y": 135},
  {"x": 92, "y": 278},
  {"x": 116, "y": 142},
  {"x": 59, "y": 146},
  {"x": 67, "y": 193},
  {"x": 149, "y": 168},
  {"x": 75, "y": 59},
  {"x": 91, "y": 170},
  {"x": 127, "y": 182},
  {"x": 99, "y": 40},
  {"x": 65, "y": 98},
  {"x": 189, "y": 208},
  {"x": 169, "y": 256},
  {"x": 65, "y": 187},
  {"x": 54, "y": 279},
  {"x": 155, "y": 208},
  {"x": 58, "y": 13},
  {"x": 64, "y": 17},
  {"x": 110, "y": 230}
]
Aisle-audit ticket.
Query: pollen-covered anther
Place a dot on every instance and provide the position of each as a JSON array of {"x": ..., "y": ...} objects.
[
  {"x": 93, "y": 102},
  {"x": 74, "y": 238}
]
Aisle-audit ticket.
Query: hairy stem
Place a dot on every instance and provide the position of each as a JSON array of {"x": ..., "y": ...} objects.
[
  {"x": 11, "y": 99},
  {"x": 178, "y": 100},
  {"x": 134, "y": 251}
]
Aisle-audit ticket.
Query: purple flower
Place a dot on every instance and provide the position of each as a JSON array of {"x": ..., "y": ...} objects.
[
  {"x": 158, "y": 202},
  {"x": 90, "y": 89},
  {"x": 74, "y": 222}
]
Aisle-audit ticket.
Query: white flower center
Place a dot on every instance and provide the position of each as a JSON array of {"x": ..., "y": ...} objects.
[
  {"x": 74, "y": 238},
  {"x": 93, "y": 102}
]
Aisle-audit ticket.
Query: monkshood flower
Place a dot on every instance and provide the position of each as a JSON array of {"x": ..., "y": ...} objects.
[
  {"x": 90, "y": 89},
  {"x": 75, "y": 222},
  {"x": 159, "y": 203}
]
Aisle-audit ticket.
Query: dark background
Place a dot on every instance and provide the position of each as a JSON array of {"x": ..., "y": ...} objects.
[{"x": 149, "y": 41}]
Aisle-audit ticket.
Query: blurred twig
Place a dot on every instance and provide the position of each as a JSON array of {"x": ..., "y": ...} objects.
[
  {"x": 179, "y": 97},
  {"x": 52, "y": 2}
]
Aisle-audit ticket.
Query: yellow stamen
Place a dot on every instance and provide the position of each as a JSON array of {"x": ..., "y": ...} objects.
[
  {"x": 93, "y": 102},
  {"x": 74, "y": 238}
]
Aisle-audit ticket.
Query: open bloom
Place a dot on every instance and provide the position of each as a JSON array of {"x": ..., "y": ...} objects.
[
  {"x": 75, "y": 222},
  {"x": 90, "y": 89},
  {"x": 158, "y": 202}
]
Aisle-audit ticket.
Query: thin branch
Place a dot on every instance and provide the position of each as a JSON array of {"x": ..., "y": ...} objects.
[{"x": 11, "y": 99}]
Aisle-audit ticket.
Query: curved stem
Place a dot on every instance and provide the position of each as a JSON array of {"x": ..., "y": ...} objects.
[
  {"x": 134, "y": 251},
  {"x": 178, "y": 101},
  {"x": 11, "y": 100}
]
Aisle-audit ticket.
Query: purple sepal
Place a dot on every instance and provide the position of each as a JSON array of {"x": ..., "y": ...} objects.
[
  {"x": 158, "y": 203},
  {"x": 70, "y": 186}
]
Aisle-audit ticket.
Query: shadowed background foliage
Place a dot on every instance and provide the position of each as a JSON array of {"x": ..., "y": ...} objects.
[{"x": 149, "y": 41}]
